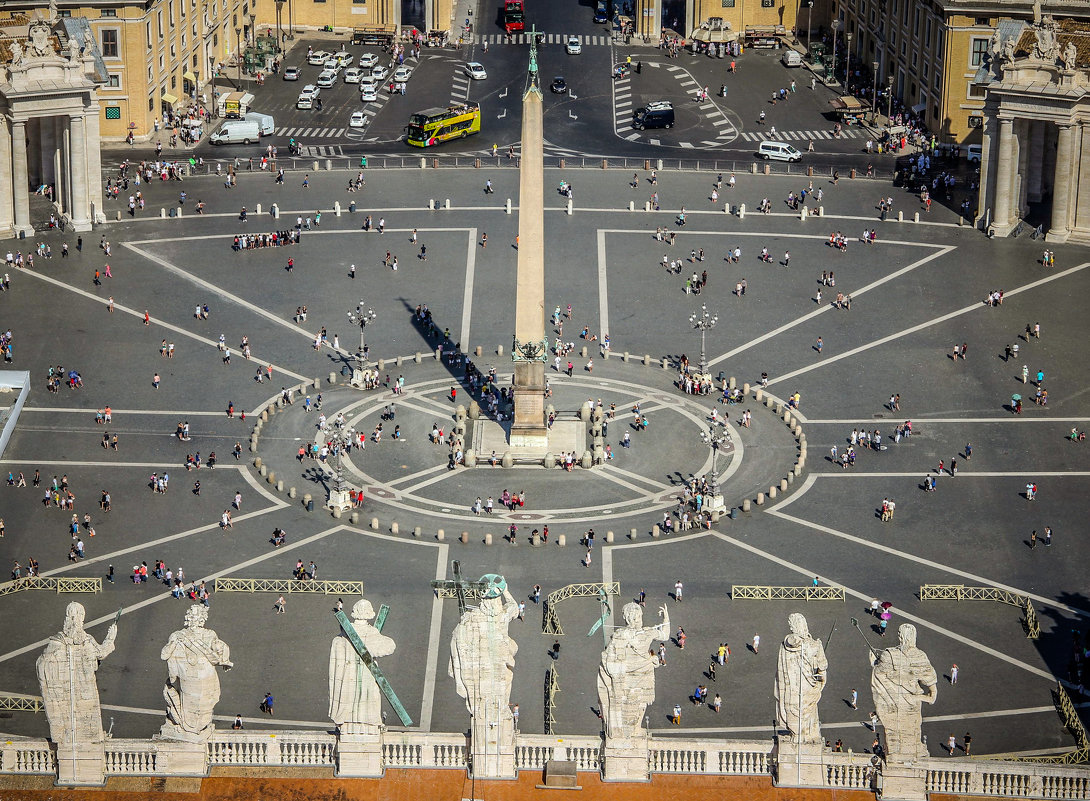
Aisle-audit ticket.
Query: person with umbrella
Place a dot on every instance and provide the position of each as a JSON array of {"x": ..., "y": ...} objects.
[{"x": 1016, "y": 403}]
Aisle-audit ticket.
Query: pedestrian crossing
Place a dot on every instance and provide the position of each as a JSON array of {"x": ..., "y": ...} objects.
[
  {"x": 459, "y": 89},
  {"x": 310, "y": 133},
  {"x": 326, "y": 151},
  {"x": 550, "y": 38},
  {"x": 799, "y": 136}
]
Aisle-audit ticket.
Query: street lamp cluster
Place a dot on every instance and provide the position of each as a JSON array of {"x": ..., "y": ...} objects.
[
  {"x": 362, "y": 316},
  {"x": 341, "y": 439},
  {"x": 705, "y": 321},
  {"x": 715, "y": 438}
]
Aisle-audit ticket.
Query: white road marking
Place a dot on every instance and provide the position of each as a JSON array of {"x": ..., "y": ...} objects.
[
  {"x": 467, "y": 297},
  {"x": 432, "y": 667},
  {"x": 603, "y": 288}
]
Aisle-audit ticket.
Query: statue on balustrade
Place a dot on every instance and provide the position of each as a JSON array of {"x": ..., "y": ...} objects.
[
  {"x": 355, "y": 700},
  {"x": 626, "y": 676},
  {"x": 482, "y": 661},
  {"x": 800, "y": 679},
  {"x": 193, "y": 688},
  {"x": 66, "y": 673},
  {"x": 902, "y": 680}
]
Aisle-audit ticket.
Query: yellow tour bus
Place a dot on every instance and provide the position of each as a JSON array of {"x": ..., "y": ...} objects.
[{"x": 435, "y": 125}]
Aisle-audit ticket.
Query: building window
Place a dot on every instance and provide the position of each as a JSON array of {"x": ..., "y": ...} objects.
[
  {"x": 916, "y": 24},
  {"x": 173, "y": 82},
  {"x": 114, "y": 81},
  {"x": 151, "y": 104},
  {"x": 728, "y": 3},
  {"x": 170, "y": 13},
  {"x": 977, "y": 91},
  {"x": 109, "y": 43},
  {"x": 65, "y": 13},
  {"x": 147, "y": 32},
  {"x": 979, "y": 51},
  {"x": 982, "y": 21},
  {"x": 927, "y": 33},
  {"x": 113, "y": 112},
  {"x": 108, "y": 13},
  {"x": 768, "y": 3}
]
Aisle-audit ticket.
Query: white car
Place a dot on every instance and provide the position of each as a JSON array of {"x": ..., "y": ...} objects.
[
  {"x": 357, "y": 120},
  {"x": 476, "y": 71},
  {"x": 402, "y": 74},
  {"x": 344, "y": 58},
  {"x": 310, "y": 91},
  {"x": 368, "y": 93},
  {"x": 326, "y": 78},
  {"x": 573, "y": 46},
  {"x": 379, "y": 73},
  {"x": 352, "y": 75},
  {"x": 332, "y": 64},
  {"x": 368, "y": 60},
  {"x": 317, "y": 57}
]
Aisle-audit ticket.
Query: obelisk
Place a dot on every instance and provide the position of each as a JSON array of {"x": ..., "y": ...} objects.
[{"x": 529, "y": 431}]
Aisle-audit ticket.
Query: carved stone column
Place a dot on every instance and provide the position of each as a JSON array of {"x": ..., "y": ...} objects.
[
  {"x": 80, "y": 211},
  {"x": 1004, "y": 173},
  {"x": 20, "y": 179},
  {"x": 1061, "y": 194},
  {"x": 7, "y": 205}
]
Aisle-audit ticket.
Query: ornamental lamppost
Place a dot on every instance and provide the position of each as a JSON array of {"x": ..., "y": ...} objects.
[
  {"x": 848, "y": 62},
  {"x": 339, "y": 496},
  {"x": 214, "y": 104},
  {"x": 836, "y": 30},
  {"x": 238, "y": 49},
  {"x": 889, "y": 98},
  {"x": 362, "y": 316},
  {"x": 715, "y": 438},
  {"x": 279, "y": 25},
  {"x": 704, "y": 320},
  {"x": 253, "y": 30}
]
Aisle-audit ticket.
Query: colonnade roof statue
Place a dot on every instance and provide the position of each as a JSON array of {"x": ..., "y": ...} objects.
[
  {"x": 355, "y": 699},
  {"x": 192, "y": 655},
  {"x": 626, "y": 676},
  {"x": 902, "y": 681},
  {"x": 800, "y": 678}
]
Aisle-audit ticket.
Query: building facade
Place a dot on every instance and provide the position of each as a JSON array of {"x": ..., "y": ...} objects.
[
  {"x": 1036, "y": 132},
  {"x": 650, "y": 17},
  {"x": 930, "y": 51}
]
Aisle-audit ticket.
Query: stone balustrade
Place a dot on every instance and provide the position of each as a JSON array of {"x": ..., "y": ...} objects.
[
  {"x": 728, "y": 757},
  {"x": 425, "y": 750},
  {"x": 272, "y": 748},
  {"x": 1008, "y": 779},
  {"x": 131, "y": 758},
  {"x": 532, "y": 751},
  {"x": 27, "y": 756}
]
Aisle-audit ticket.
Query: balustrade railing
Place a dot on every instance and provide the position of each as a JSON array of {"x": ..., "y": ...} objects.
[
  {"x": 131, "y": 758},
  {"x": 1008, "y": 779},
  {"x": 425, "y": 750},
  {"x": 27, "y": 756},
  {"x": 729, "y": 757},
  {"x": 272, "y": 748}
]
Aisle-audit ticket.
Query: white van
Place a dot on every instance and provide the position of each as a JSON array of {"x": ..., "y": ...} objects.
[
  {"x": 264, "y": 121},
  {"x": 778, "y": 151},
  {"x": 233, "y": 132},
  {"x": 791, "y": 58},
  {"x": 973, "y": 153}
]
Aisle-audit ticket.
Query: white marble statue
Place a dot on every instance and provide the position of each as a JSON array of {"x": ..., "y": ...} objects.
[
  {"x": 902, "y": 680},
  {"x": 16, "y": 53},
  {"x": 1069, "y": 56},
  {"x": 800, "y": 679},
  {"x": 193, "y": 688},
  {"x": 73, "y": 50},
  {"x": 1047, "y": 47},
  {"x": 41, "y": 42},
  {"x": 1008, "y": 49},
  {"x": 482, "y": 661},
  {"x": 66, "y": 673},
  {"x": 626, "y": 676},
  {"x": 355, "y": 700}
]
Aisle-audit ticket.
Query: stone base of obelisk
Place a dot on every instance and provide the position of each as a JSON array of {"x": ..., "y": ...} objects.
[
  {"x": 564, "y": 437},
  {"x": 178, "y": 758},
  {"x": 359, "y": 755},
  {"x": 529, "y": 429},
  {"x": 339, "y": 499},
  {"x": 901, "y": 782},
  {"x": 626, "y": 759},
  {"x": 799, "y": 764},
  {"x": 81, "y": 764}
]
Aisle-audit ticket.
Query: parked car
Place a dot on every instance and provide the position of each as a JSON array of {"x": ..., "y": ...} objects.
[
  {"x": 402, "y": 74},
  {"x": 352, "y": 75},
  {"x": 317, "y": 57},
  {"x": 368, "y": 93},
  {"x": 357, "y": 120},
  {"x": 476, "y": 71},
  {"x": 368, "y": 60},
  {"x": 559, "y": 86},
  {"x": 657, "y": 114},
  {"x": 379, "y": 73},
  {"x": 332, "y": 63},
  {"x": 326, "y": 78},
  {"x": 291, "y": 73},
  {"x": 573, "y": 46}
]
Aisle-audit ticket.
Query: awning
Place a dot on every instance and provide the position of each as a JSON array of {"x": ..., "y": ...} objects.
[
  {"x": 919, "y": 108},
  {"x": 169, "y": 99},
  {"x": 189, "y": 76}
]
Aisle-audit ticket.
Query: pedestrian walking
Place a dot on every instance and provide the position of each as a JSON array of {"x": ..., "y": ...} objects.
[
  {"x": 951, "y": 745},
  {"x": 954, "y": 673},
  {"x": 267, "y": 703},
  {"x": 854, "y": 699},
  {"x": 756, "y": 643},
  {"x": 968, "y": 742},
  {"x": 280, "y": 604},
  {"x": 678, "y": 587}
]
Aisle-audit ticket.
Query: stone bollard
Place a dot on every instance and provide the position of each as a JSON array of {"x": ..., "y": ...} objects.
[
  {"x": 797, "y": 469},
  {"x": 535, "y": 540},
  {"x": 399, "y": 361},
  {"x": 632, "y": 205},
  {"x": 431, "y": 200},
  {"x": 550, "y": 461},
  {"x": 337, "y": 513},
  {"x": 395, "y": 528},
  {"x": 583, "y": 352},
  {"x": 417, "y": 532},
  {"x": 584, "y": 413},
  {"x": 438, "y": 354},
  {"x": 746, "y": 505},
  {"x": 769, "y": 402},
  {"x": 742, "y": 211},
  {"x": 118, "y": 217},
  {"x": 488, "y": 538},
  {"x": 257, "y": 209},
  {"x": 745, "y": 390},
  {"x": 783, "y": 485},
  {"x": 464, "y": 538},
  {"x": 275, "y": 211},
  {"x": 459, "y": 412},
  {"x": 790, "y": 478},
  {"x": 646, "y": 360},
  {"x": 656, "y": 532},
  {"x": 381, "y": 365},
  {"x": 767, "y": 169},
  {"x": 257, "y": 462},
  {"x": 315, "y": 167},
  {"x": 418, "y": 357},
  {"x": 271, "y": 478},
  {"x": 772, "y": 493},
  {"x": 354, "y": 518},
  {"x": 665, "y": 363},
  {"x": 760, "y": 499},
  {"x": 291, "y": 492},
  {"x": 961, "y": 221},
  {"x": 332, "y": 377},
  {"x": 507, "y": 460},
  {"x": 732, "y": 383},
  {"x": 470, "y": 457},
  {"x": 647, "y": 205},
  {"x": 632, "y": 534},
  {"x": 440, "y": 535},
  {"x": 279, "y": 486},
  {"x": 900, "y": 216},
  {"x": 264, "y": 470},
  {"x": 307, "y": 498},
  {"x": 802, "y": 213},
  {"x": 759, "y": 395},
  {"x": 477, "y": 351},
  {"x": 587, "y": 461},
  {"x": 753, "y": 168},
  {"x": 446, "y": 204},
  {"x": 916, "y": 217},
  {"x": 507, "y": 208},
  {"x": 499, "y": 350},
  {"x": 727, "y": 209},
  {"x": 336, "y": 208},
  {"x": 569, "y": 207},
  {"x": 609, "y": 537},
  {"x": 317, "y": 383},
  {"x": 561, "y": 541},
  {"x": 624, "y": 358},
  {"x": 820, "y": 211}
]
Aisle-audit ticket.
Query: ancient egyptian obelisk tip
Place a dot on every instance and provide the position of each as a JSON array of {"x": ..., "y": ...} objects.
[{"x": 528, "y": 429}]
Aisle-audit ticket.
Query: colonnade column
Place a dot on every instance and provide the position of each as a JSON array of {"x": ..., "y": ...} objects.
[
  {"x": 1004, "y": 170},
  {"x": 1061, "y": 192},
  {"x": 79, "y": 213},
  {"x": 94, "y": 168},
  {"x": 7, "y": 208},
  {"x": 20, "y": 179}
]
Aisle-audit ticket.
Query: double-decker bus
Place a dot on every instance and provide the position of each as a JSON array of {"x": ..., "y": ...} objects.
[
  {"x": 513, "y": 16},
  {"x": 435, "y": 125}
]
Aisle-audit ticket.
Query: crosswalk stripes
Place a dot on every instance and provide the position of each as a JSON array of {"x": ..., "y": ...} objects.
[
  {"x": 308, "y": 133},
  {"x": 800, "y": 136},
  {"x": 550, "y": 38}
]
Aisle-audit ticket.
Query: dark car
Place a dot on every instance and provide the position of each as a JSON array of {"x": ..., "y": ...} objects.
[{"x": 559, "y": 86}]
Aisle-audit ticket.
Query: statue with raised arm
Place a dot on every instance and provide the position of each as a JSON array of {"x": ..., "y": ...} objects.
[
  {"x": 66, "y": 674},
  {"x": 626, "y": 676},
  {"x": 902, "y": 680},
  {"x": 193, "y": 688},
  {"x": 800, "y": 678},
  {"x": 1070, "y": 54},
  {"x": 355, "y": 700},
  {"x": 482, "y": 662}
]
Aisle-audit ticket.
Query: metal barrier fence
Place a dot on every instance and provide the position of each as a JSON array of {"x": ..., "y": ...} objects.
[
  {"x": 58, "y": 584},
  {"x": 320, "y": 587},
  {"x": 550, "y": 622},
  {"x": 1080, "y": 755},
  {"x": 960, "y": 592},
  {"x": 757, "y": 592},
  {"x": 14, "y": 702}
]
